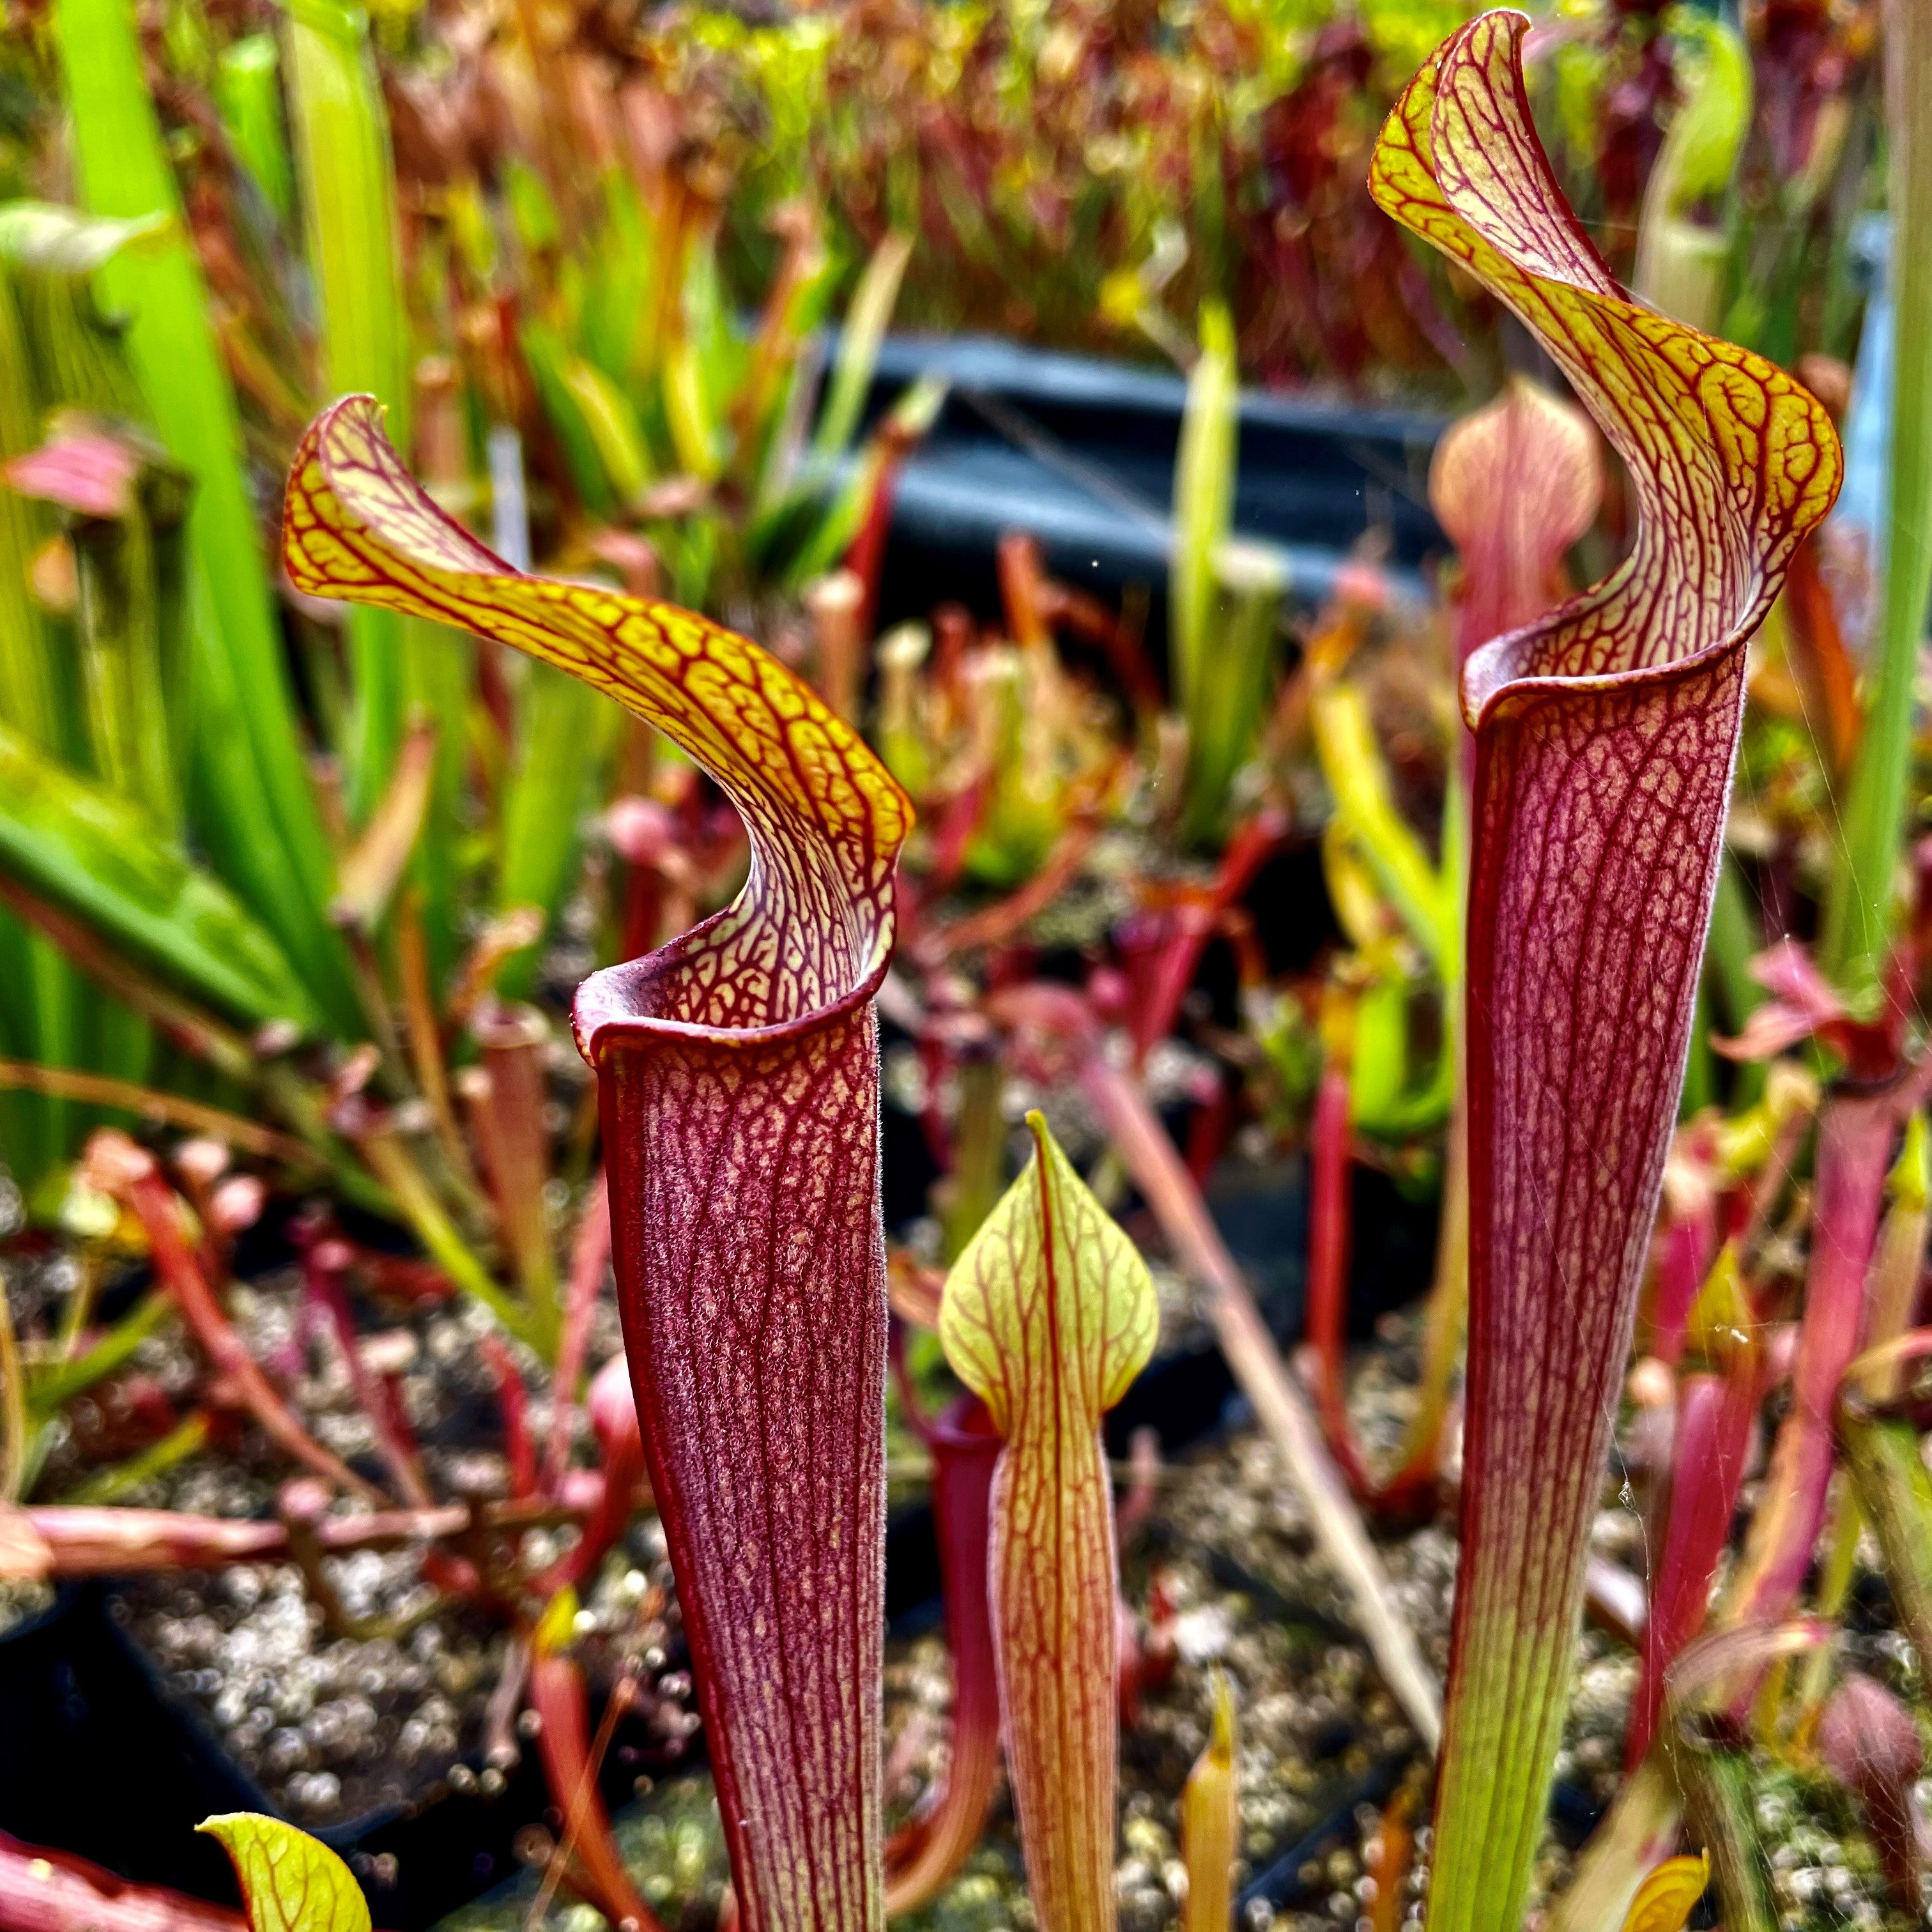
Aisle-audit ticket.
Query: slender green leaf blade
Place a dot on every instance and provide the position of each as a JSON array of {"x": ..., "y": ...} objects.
[
  {"x": 258, "y": 815},
  {"x": 1203, "y": 499},
  {"x": 1861, "y": 908},
  {"x": 99, "y": 856},
  {"x": 866, "y": 323}
]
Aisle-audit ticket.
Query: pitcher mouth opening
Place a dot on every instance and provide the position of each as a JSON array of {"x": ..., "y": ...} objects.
[{"x": 613, "y": 1008}]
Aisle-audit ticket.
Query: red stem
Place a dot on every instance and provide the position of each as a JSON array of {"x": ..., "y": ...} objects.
[
  {"x": 1193, "y": 922},
  {"x": 107, "y": 1539},
  {"x": 323, "y": 1267},
  {"x": 1329, "y": 1242},
  {"x": 1715, "y": 1414},
  {"x": 1006, "y": 917},
  {"x": 659, "y": 873},
  {"x": 1150, "y": 1157},
  {"x": 865, "y": 556},
  {"x": 1087, "y": 616},
  {"x": 1854, "y": 1141},
  {"x": 1689, "y": 1247},
  {"x": 1022, "y": 575},
  {"x": 588, "y": 1261},
  {"x": 513, "y": 1403},
  {"x": 925, "y": 1853},
  {"x": 1870, "y": 1742},
  {"x": 954, "y": 823},
  {"x": 613, "y": 1414},
  {"x": 131, "y": 1173},
  {"x": 563, "y": 1743},
  {"x": 507, "y": 1095}
]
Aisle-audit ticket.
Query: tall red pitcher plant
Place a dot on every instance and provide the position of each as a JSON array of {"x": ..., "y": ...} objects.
[
  {"x": 738, "y": 1074},
  {"x": 1606, "y": 735}
]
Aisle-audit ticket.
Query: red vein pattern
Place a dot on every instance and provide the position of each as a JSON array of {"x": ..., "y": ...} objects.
[
  {"x": 1048, "y": 1317},
  {"x": 1606, "y": 735},
  {"x": 289, "y": 1882},
  {"x": 738, "y": 1072}
]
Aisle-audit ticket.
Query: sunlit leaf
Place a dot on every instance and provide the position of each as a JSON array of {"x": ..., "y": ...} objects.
[
  {"x": 257, "y": 815},
  {"x": 1861, "y": 907},
  {"x": 372, "y": 867},
  {"x": 290, "y": 1883},
  {"x": 1204, "y": 492},
  {"x": 247, "y": 91},
  {"x": 96, "y": 855},
  {"x": 1681, "y": 260},
  {"x": 1664, "y": 1900},
  {"x": 55, "y": 241},
  {"x": 866, "y": 318},
  {"x": 1358, "y": 778}
]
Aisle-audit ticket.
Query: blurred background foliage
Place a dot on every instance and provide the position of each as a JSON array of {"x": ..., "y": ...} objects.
[{"x": 620, "y": 273}]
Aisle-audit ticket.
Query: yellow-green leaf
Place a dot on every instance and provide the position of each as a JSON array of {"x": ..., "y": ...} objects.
[
  {"x": 1357, "y": 776},
  {"x": 1664, "y": 1900},
  {"x": 1047, "y": 1316},
  {"x": 1050, "y": 1313},
  {"x": 825, "y": 818},
  {"x": 290, "y": 1883},
  {"x": 1210, "y": 1822}
]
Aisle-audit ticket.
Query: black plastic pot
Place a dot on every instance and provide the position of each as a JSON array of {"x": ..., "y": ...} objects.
[
  {"x": 1080, "y": 452},
  {"x": 95, "y": 1761},
  {"x": 99, "y": 1756}
]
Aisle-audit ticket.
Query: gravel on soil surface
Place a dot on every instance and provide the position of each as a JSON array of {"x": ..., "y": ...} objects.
[
  {"x": 1323, "y": 1746},
  {"x": 388, "y": 1704}
]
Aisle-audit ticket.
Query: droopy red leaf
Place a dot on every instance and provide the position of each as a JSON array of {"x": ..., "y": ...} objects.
[
  {"x": 43, "y": 1890},
  {"x": 1605, "y": 734},
  {"x": 1715, "y": 1414},
  {"x": 924, "y": 1855},
  {"x": 1047, "y": 1316},
  {"x": 738, "y": 1072}
]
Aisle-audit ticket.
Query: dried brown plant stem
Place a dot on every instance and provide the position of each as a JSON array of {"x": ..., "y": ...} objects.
[
  {"x": 589, "y": 1258},
  {"x": 99, "y": 1090},
  {"x": 1157, "y": 1169},
  {"x": 85, "y": 1539},
  {"x": 425, "y": 1042},
  {"x": 208, "y": 1039}
]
